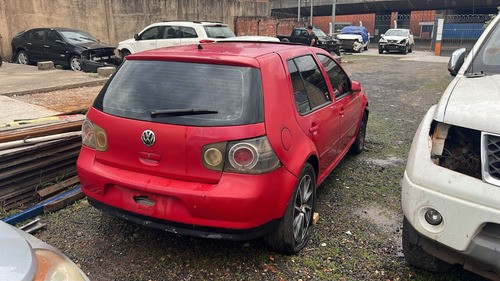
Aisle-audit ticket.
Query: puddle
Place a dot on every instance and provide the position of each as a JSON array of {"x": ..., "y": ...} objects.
[
  {"x": 389, "y": 162},
  {"x": 386, "y": 220}
]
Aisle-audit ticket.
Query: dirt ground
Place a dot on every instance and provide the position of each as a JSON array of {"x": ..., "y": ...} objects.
[{"x": 358, "y": 235}]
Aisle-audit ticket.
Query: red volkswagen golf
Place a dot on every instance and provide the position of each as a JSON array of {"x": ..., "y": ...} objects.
[{"x": 226, "y": 140}]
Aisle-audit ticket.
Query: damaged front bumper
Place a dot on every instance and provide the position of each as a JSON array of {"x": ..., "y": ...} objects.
[
  {"x": 444, "y": 173},
  {"x": 94, "y": 58}
]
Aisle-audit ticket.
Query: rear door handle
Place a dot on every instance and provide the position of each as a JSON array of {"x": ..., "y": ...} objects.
[
  {"x": 341, "y": 110},
  {"x": 314, "y": 128},
  {"x": 46, "y": 46}
]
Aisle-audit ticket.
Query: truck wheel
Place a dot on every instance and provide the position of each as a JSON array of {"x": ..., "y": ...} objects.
[
  {"x": 415, "y": 254},
  {"x": 295, "y": 227}
]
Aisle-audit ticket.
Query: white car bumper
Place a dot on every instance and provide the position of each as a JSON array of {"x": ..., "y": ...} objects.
[{"x": 470, "y": 208}]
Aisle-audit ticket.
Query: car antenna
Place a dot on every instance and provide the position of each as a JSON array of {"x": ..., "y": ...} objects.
[{"x": 200, "y": 47}]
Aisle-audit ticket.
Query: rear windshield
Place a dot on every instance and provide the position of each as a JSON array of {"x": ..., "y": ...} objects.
[
  {"x": 218, "y": 31},
  {"x": 184, "y": 93}
]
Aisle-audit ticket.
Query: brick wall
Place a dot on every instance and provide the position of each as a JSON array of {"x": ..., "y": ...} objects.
[{"x": 264, "y": 26}]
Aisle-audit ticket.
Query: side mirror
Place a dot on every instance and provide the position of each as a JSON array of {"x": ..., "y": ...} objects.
[
  {"x": 456, "y": 61},
  {"x": 382, "y": 35},
  {"x": 136, "y": 37},
  {"x": 355, "y": 86}
]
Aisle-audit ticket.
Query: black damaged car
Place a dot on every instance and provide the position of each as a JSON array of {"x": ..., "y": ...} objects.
[{"x": 68, "y": 47}]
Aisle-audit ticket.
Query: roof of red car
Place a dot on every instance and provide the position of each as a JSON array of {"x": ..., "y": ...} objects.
[{"x": 243, "y": 53}]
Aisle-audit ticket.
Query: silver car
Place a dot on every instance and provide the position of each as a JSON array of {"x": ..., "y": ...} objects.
[{"x": 24, "y": 257}]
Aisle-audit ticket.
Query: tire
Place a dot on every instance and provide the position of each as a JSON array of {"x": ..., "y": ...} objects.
[
  {"x": 359, "y": 144},
  {"x": 285, "y": 40},
  {"x": 124, "y": 53},
  {"x": 1, "y": 61},
  {"x": 295, "y": 227},
  {"x": 405, "y": 50},
  {"x": 415, "y": 254},
  {"x": 410, "y": 49},
  {"x": 75, "y": 63},
  {"x": 380, "y": 50},
  {"x": 22, "y": 57},
  {"x": 366, "y": 47}
]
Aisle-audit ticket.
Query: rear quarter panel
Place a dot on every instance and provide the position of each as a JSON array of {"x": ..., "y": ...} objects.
[{"x": 279, "y": 108}]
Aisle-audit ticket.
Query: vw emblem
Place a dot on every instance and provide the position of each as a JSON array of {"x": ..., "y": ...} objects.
[{"x": 148, "y": 138}]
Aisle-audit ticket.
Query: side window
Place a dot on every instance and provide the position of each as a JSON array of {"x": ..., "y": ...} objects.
[
  {"x": 296, "y": 32},
  {"x": 308, "y": 84},
  {"x": 188, "y": 32},
  {"x": 36, "y": 35},
  {"x": 338, "y": 79},
  {"x": 53, "y": 35},
  {"x": 171, "y": 32},
  {"x": 152, "y": 33}
]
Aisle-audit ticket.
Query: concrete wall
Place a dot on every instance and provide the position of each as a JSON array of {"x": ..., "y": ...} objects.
[{"x": 115, "y": 20}]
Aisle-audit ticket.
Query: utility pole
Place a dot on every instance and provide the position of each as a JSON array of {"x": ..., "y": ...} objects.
[
  {"x": 334, "y": 2},
  {"x": 311, "y": 19},
  {"x": 298, "y": 10}
]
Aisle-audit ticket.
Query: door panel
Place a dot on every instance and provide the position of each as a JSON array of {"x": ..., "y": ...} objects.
[
  {"x": 55, "y": 47},
  {"x": 318, "y": 116},
  {"x": 348, "y": 103},
  {"x": 148, "y": 39},
  {"x": 170, "y": 37},
  {"x": 34, "y": 44}
]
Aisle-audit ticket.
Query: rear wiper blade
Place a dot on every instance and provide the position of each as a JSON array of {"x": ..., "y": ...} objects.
[{"x": 180, "y": 112}]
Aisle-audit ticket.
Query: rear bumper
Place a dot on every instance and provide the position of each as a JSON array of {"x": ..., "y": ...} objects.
[
  {"x": 186, "y": 229},
  {"x": 236, "y": 202}
]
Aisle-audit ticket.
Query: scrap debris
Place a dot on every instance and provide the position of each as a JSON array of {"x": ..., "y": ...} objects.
[{"x": 38, "y": 159}]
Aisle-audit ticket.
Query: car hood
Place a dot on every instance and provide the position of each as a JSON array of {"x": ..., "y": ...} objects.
[
  {"x": 398, "y": 38},
  {"x": 472, "y": 103},
  {"x": 95, "y": 45},
  {"x": 17, "y": 261}
]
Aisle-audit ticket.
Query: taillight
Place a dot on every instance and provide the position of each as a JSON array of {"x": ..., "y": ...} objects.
[
  {"x": 251, "y": 156},
  {"x": 206, "y": 41},
  {"x": 94, "y": 136}
]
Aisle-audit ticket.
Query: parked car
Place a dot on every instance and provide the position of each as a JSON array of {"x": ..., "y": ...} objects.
[
  {"x": 450, "y": 190},
  {"x": 354, "y": 38},
  {"x": 299, "y": 35},
  {"x": 174, "y": 33},
  {"x": 249, "y": 38},
  {"x": 396, "y": 39},
  {"x": 225, "y": 140},
  {"x": 25, "y": 257},
  {"x": 68, "y": 47}
]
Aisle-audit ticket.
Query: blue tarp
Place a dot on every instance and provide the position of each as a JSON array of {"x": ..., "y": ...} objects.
[{"x": 356, "y": 30}]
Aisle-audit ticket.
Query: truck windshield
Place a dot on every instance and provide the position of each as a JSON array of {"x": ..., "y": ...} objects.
[{"x": 487, "y": 59}]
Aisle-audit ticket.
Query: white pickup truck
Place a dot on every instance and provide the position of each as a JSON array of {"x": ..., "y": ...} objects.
[{"x": 451, "y": 186}]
